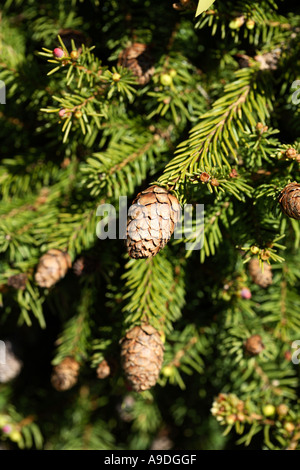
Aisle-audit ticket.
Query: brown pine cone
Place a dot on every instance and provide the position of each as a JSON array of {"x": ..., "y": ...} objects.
[
  {"x": 137, "y": 59},
  {"x": 254, "y": 345},
  {"x": 12, "y": 364},
  {"x": 289, "y": 200},
  {"x": 18, "y": 281},
  {"x": 142, "y": 356},
  {"x": 103, "y": 369},
  {"x": 259, "y": 277},
  {"x": 65, "y": 374},
  {"x": 151, "y": 222},
  {"x": 52, "y": 267}
]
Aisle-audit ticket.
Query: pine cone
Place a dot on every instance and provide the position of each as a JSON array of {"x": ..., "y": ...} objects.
[
  {"x": 261, "y": 278},
  {"x": 18, "y": 281},
  {"x": 52, "y": 267},
  {"x": 289, "y": 200},
  {"x": 103, "y": 370},
  {"x": 269, "y": 60},
  {"x": 64, "y": 375},
  {"x": 142, "y": 356},
  {"x": 151, "y": 222},
  {"x": 13, "y": 365},
  {"x": 137, "y": 59},
  {"x": 162, "y": 443},
  {"x": 254, "y": 345}
]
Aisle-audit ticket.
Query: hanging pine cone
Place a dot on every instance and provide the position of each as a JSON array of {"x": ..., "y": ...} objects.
[
  {"x": 289, "y": 200},
  {"x": 254, "y": 345},
  {"x": 52, "y": 267},
  {"x": 103, "y": 370},
  {"x": 13, "y": 365},
  {"x": 18, "y": 281},
  {"x": 137, "y": 59},
  {"x": 259, "y": 277},
  {"x": 162, "y": 443},
  {"x": 151, "y": 222},
  {"x": 142, "y": 356},
  {"x": 65, "y": 374}
]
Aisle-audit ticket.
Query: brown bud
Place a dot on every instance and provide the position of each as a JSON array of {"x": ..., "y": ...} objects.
[
  {"x": 261, "y": 128},
  {"x": 214, "y": 182},
  {"x": 233, "y": 173},
  {"x": 65, "y": 374},
  {"x": 65, "y": 163},
  {"x": 291, "y": 153},
  {"x": 254, "y": 345},
  {"x": 103, "y": 370},
  {"x": 282, "y": 409},
  {"x": 265, "y": 255},
  {"x": 204, "y": 177}
]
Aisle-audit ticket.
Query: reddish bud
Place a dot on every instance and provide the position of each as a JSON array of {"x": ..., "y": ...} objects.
[
  {"x": 6, "y": 429},
  {"x": 288, "y": 355},
  {"x": 233, "y": 173},
  {"x": 204, "y": 177},
  {"x": 58, "y": 53},
  {"x": 214, "y": 182},
  {"x": 246, "y": 293}
]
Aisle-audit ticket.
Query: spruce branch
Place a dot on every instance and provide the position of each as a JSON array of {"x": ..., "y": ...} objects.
[
  {"x": 153, "y": 301},
  {"x": 214, "y": 141}
]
